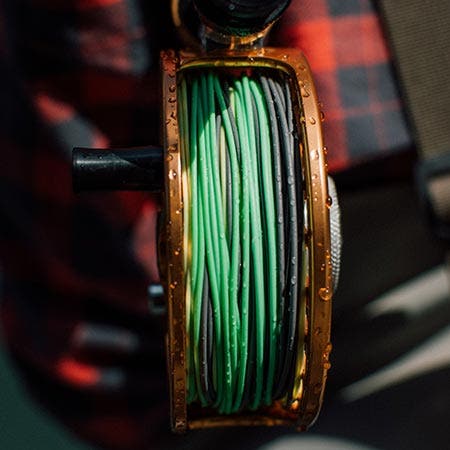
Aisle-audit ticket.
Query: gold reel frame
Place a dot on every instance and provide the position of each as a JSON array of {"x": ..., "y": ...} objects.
[{"x": 311, "y": 376}]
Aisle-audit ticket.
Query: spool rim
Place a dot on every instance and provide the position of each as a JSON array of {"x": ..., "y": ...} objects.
[{"x": 318, "y": 293}]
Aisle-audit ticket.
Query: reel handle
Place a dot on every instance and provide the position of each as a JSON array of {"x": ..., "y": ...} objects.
[{"x": 132, "y": 169}]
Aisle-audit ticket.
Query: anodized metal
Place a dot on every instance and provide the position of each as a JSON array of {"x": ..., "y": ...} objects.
[{"x": 313, "y": 358}]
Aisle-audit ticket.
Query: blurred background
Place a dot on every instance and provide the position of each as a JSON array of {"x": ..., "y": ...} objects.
[
  {"x": 23, "y": 424},
  {"x": 81, "y": 356}
]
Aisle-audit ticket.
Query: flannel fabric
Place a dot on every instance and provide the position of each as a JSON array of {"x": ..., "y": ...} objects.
[
  {"x": 75, "y": 268},
  {"x": 344, "y": 43}
]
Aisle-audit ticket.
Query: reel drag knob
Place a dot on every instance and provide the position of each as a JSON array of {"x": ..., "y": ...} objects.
[{"x": 240, "y": 17}]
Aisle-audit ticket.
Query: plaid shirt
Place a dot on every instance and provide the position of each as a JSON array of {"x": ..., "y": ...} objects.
[{"x": 75, "y": 268}]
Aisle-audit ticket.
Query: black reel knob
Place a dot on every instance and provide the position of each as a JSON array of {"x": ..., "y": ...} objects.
[
  {"x": 240, "y": 17},
  {"x": 140, "y": 169}
]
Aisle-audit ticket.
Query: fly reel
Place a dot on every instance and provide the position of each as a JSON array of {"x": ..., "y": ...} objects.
[
  {"x": 245, "y": 249},
  {"x": 246, "y": 191}
]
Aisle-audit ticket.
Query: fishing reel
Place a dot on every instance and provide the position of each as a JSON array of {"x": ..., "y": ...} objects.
[{"x": 246, "y": 255}]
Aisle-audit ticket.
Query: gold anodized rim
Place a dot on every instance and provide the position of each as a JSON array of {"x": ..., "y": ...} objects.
[{"x": 312, "y": 375}]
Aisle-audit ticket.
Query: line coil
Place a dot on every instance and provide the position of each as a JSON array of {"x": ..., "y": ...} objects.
[{"x": 244, "y": 215}]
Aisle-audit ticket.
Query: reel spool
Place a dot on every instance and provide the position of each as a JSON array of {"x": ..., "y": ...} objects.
[
  {"x": 301, "y": 332},
  {"x": 245, "y": 249}
]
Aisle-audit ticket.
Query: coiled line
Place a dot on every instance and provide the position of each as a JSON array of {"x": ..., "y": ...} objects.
[{"x": 243, "y": 236}]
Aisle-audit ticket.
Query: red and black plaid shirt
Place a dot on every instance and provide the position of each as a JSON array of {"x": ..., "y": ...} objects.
[{"x": 75, "y": 268}]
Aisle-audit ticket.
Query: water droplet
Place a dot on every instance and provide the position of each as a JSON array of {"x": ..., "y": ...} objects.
[
  {"x": 325, "y": 294},
  {"x": 179, "y": 424},
  {"x": 325, "y": 150},
  {"x": 327, "y": 365},
  {"x": 314, "y": 176},
  {"x": 312, "y": 120},
  {"x": 172, "y": 174},
  {"x": 314, "y": 154},
  {"x": 307, "y": 281},
  {"x": 295, "y": 405},
  {"x": 329, "y": 202},
  {"x": 304, "y": 92}
]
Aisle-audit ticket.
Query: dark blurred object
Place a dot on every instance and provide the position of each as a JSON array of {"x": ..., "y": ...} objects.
[{"x": 423, "y": 70}]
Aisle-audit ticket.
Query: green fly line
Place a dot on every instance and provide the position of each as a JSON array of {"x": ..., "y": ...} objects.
[{"x": 243, "y": 230}]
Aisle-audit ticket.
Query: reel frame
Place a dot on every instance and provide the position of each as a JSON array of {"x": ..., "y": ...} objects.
[{"x": 310, "y": 376}]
